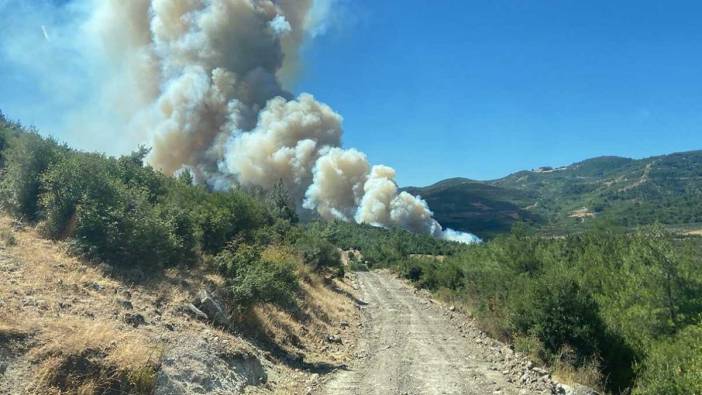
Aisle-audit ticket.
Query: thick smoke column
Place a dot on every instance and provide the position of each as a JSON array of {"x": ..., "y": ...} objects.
[
  {"x": 285, "y": 144},
  {"x": 203, "y": 79}
]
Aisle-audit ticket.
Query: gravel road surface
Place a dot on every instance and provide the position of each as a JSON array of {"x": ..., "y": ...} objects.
[{"x": 410, "y": 345}]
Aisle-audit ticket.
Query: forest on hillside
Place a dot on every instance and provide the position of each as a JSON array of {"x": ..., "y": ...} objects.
[{"x": 665, "y": 189}]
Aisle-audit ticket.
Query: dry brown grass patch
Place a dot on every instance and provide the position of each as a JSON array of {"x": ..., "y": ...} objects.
[
  {"x": 74, "y": 335},
  {"x": 10, "y": 328},
  {"x": 87, "y": 356},
  {"x": 588, "y": 373}
]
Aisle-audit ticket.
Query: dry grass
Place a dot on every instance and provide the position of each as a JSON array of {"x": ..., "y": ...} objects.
[
  {"x": 124, "y": 349},
  {"x": 10, "y": 327},
  {"x": 439, "y": 258},
  {"x": 323, "y": 303},
  {"x": 588, "y": 373},
  {"x": 7, "y": 237},
  {"x": 581, "y": 213},
  {"x": 96, "y": 353},
  {"x": 68, "y": 310},
  {"x": 531, "y": 347}
]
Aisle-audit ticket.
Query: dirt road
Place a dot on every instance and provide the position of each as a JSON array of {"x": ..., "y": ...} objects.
[{"x": 410, "y": 345}]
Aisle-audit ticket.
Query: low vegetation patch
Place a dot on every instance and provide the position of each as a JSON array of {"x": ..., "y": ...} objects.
[{"x": 604, "y": 308}]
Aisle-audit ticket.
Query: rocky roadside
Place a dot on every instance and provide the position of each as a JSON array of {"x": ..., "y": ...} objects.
[{"x": 517, "y": 367}]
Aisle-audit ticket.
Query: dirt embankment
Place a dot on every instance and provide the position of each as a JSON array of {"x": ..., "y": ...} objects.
[{"x": 68, "y": 326}]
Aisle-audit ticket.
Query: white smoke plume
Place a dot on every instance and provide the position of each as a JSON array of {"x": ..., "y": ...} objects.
[
  {"x": 284, "y": 145},
  {"x": 202, "y": 82},
  {"x": 337, "y": 187},
  {"x": 382, "y": 205}
]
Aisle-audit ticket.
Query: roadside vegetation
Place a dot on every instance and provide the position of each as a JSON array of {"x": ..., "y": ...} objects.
[{"x": 608, "y": 308}]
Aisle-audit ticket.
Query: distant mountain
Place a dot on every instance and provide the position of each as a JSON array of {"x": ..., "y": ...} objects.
[{"x": 628, "y": 192}]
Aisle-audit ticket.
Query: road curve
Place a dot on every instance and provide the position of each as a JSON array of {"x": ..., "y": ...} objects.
[{"x": 409, "y": 345}]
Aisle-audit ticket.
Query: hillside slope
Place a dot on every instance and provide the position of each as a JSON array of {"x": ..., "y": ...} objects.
[
  {"x": 68, "y": 326},
  {"x": 627, "y": 192},
  {"x": 478, "y": 207}
]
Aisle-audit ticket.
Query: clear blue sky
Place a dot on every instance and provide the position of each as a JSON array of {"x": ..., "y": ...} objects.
[{"x": 480, "y": 89}]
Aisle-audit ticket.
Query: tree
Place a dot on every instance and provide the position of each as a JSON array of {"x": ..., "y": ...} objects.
[{"x": 280, "y": 204}]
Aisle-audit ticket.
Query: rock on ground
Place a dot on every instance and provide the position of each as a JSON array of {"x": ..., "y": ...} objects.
[{"x": 202, "y": 366}]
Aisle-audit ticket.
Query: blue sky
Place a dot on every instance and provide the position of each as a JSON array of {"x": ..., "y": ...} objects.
[{"x": 480, "y": 89}]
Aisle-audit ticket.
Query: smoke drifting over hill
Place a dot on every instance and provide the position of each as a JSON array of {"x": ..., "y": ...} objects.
[{"x": 200, "y": 82}]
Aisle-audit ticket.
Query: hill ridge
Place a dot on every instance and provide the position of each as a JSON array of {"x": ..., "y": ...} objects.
[{"x": 663, "y": 188}]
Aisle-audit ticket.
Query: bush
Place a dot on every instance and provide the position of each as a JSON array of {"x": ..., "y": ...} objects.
[
  {"x": 606, "y": 295},
  {"x": 264, "y": 282},
  {"x": 26, "y": 157},
  {"x": 128, "y": 230},
  {"x": 318, "y": 252},
  {"x": 673, "y": 366},
  {"x": 74, "y": 179},
  {"x": 236, "y": 257},
  {"x": 559, "y": 312},
  {"x": 111, "y": 216},
  {"x": 411, "y": 270},
  {"x": 252, "y": 280},
  {"x": 220, "y": 216}
]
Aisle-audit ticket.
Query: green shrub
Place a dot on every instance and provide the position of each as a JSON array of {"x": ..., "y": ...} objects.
[
  {"x": 236, "y": 257},
  {"x": 220, "y": 216},
  {"x": 280, "y": 204},
  {"x": 111, "y": 213},
  {"x": 559, "y": 312},
  {"x": 605, "y": 294},
  {"x": 673, "y": 366},
  {"x": 318, "y": 252},
  {"x": 531, "y": 346},
  {"x": 264, "y": 282},
  {"x": 73, "y": 179},
  {"x": 252, "y": 280},
  {"x": 432, "y": 273},
  {"x": 4, "y": 137},
  {"x": 411, "y": 270},
  {"x": 26, "y": 157},
  {"x": 449, "y": 275}
]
